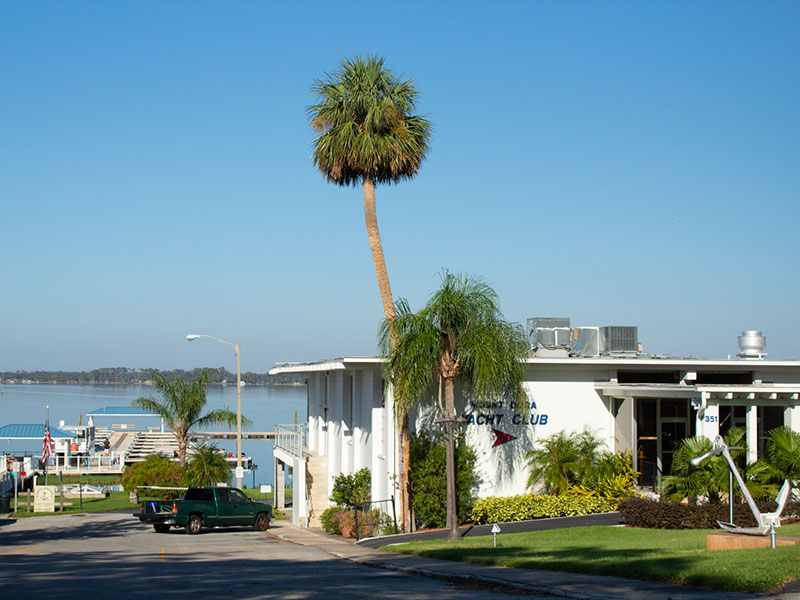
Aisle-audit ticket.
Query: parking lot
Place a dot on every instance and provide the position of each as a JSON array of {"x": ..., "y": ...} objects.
[{"x": 113, "y": 555}]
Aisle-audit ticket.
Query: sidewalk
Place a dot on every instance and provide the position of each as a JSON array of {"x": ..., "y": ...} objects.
[{"x": 564, "y": 585}]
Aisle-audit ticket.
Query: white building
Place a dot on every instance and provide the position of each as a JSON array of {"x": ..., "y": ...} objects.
[{"x": 634, "y": 402}]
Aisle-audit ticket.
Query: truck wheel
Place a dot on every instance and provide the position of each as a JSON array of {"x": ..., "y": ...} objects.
[
  {"x": 160, "y": 527},
  {"x": 262, "y": 522},
  {"x": 194, "y": 525}
]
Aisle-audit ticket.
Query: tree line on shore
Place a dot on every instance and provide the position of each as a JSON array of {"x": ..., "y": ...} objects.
[{"x": 126, "y": 376}]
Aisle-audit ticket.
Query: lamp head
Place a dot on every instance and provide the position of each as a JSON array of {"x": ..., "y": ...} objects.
[{"x": 192, "y": 336}]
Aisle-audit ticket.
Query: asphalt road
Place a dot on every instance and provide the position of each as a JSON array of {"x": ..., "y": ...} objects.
[{"x": 112, "y": 555}]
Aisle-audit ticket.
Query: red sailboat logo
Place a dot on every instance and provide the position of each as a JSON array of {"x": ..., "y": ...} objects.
[{"x": 502, "y": 438}]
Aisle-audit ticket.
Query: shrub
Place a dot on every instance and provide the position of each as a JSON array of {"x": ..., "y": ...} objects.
[
  {"x": 429, "y": 480},
  {"x": 651, "y": 514},
  {"x": 352, "y": 489},
  {"x": 528, "y": 506},
  {"x": 388, "y": 526},
  {"x": 157, "y": 470},
  {"x": 564, "y": 460},
  {"x": 331, "y": 519},
  {"x": 613, "y": 478},
  {"x": 341, "y": 521}
]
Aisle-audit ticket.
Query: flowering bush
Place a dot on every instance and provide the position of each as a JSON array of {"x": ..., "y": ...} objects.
[{"x": 528, "y": 506}]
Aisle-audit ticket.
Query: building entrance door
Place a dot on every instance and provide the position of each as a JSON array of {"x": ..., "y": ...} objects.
[
  {"x": 672, "y": 432},
  {"x": 661, "y": 424}
]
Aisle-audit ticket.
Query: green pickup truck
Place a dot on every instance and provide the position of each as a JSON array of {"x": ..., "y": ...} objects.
[{"x": 206, "y": 507}]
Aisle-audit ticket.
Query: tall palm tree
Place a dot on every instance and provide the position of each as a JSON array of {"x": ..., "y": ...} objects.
[
  {"x": 460, "y": 333},
  {"x": 368, "y": 135},
  {"x": 207, "y": 466},
  {"x": 181, "y": 405}
]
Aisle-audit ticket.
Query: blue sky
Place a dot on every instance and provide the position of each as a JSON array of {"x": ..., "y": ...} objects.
[{"x": 619, "y": 163}]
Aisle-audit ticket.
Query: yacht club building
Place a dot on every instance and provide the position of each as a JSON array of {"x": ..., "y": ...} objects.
[{"x": 576, "y": 378}]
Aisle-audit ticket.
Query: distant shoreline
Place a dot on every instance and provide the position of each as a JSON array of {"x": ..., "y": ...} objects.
[
  {"x": 116, "y": 376},
  {"x": 146, "y": 383}
]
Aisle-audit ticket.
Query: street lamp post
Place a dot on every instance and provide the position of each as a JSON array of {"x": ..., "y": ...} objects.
[{"x": 194, "y": 336}]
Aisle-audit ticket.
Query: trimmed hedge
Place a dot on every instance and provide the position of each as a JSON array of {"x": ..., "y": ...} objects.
[
  {"x": 528, "y": 506},
  {"x": 651, "y": 514}
]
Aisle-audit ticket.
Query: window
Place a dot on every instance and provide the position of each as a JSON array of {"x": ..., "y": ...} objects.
[
  {"x": 706, "y": 378},
  {"x": 203, "y": 494},
  {"x": 237, "y": 496},
  {"x": 222, "y": 494},
  {"x": 648, "y": 376}
]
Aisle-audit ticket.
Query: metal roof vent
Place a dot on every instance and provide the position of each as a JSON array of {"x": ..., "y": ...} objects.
[{"x": 752, "y": 344}]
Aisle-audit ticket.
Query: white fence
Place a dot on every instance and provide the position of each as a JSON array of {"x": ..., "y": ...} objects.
[
  {"x": 290, "y": 439},
  {"x": 87, "y": 464}
]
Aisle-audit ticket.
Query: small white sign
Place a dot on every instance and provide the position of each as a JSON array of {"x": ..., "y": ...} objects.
[
  {"x": 495, "y": 528},
  {"x": 266, "y": 489},
  {"x": 239, "y": 472},
  {"x": 44, "y": 498}
]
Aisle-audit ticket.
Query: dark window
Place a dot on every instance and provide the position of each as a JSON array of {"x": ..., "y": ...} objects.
[
  {"x": 674, "y": 408},
  {"x": 731, "y": 416},
  {"x": 725, "y": 378},
  {"x": 222, "y": 494},
  {"x": 769, "y": 417},
  {"x": 204, "y": 494},
  {"x": 237, "y": 496},
  {"x": 648, "y": 376}
]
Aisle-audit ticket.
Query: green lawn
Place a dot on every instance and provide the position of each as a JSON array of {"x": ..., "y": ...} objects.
[
  {"x": 99, "y": 480},
  {"x": 115, "y": 501},
  {"x": 668, "y": 556}
]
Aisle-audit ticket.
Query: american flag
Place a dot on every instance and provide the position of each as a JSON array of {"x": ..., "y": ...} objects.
[{"x": 47, "y": 444}]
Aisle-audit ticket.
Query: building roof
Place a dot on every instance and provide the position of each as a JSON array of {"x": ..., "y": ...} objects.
[
  {"x": 649, "y": 361},
  {"x": 32, "y": 432},
  {"x": 121, "y": 411}
]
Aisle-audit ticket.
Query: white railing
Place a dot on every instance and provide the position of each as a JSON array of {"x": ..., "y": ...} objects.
[
  {"x": 290, "y": 438},
  {"x": 87, "y": 464}
]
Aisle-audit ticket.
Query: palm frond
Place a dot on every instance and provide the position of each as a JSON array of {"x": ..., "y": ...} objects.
[
  {"x": 458, "y": 333},
  {"x": 366, "y": 129}
]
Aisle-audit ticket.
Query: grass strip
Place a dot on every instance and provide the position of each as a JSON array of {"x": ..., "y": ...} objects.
[
  {"x": 668, "y": 556},
  {"x": 114, "y": 501}
]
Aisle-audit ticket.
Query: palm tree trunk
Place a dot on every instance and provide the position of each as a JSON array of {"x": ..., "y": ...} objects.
[
  {"x": 183, "y": 445},
  {"x": 374, "y": 237},
  {"x": 450, "y": 466}
]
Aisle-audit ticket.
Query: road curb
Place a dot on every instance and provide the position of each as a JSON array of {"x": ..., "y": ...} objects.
[{"x": 493, "y": 581}]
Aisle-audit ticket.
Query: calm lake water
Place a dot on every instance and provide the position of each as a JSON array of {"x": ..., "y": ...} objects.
[{"x": 265, "y": 406}]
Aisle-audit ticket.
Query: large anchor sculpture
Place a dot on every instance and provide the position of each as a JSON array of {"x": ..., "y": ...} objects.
[{"x": 766, "y": 522}]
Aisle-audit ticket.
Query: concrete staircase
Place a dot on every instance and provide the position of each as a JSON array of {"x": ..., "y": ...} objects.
[
  {"x": 317, "y": 487},
  {"x": 151, "y": 442}
]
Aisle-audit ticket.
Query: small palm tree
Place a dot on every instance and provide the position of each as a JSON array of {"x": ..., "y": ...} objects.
[
  {"x": 458, "y": 334},
  {"x": 710, "y": 478},
  {"x": 555, "y": 463},
  {"x": 783, "y": 456},
  {"x": 563, "y": 460},
  {"x": 181, "y": 405},
  {"x": 687, "y": 481},
  {"x": 207, "y": 466}
]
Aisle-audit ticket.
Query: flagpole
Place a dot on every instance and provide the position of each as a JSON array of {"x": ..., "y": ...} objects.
[{"x": 46, "y": 427}]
